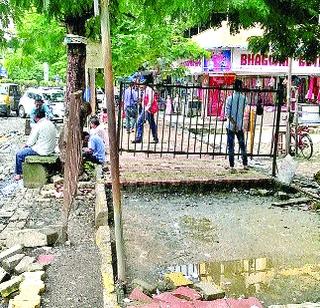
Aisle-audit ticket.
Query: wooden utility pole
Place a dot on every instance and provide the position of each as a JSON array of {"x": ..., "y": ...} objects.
[
  {"x": 92, "y": 85},
  {"x": 114, "y": 150}
]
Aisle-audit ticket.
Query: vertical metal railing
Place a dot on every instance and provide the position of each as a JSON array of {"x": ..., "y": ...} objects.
[{"x": 192, "y": 121}]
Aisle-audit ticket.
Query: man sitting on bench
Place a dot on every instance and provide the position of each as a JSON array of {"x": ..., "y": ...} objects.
[{"x": 42, "y": 141}]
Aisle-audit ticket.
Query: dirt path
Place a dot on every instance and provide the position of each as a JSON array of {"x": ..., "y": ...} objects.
[{"x": 73, "y": 279}]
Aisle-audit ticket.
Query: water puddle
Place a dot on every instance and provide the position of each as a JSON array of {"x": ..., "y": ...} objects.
[
  {"x": 270, "y": 252},
  {"x": 258, "y": 277}
]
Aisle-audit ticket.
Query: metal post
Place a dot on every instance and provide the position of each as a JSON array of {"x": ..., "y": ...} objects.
[
  {"x": 288, "y": 128},
  {"x": 276, "y": 134},
  {"x": 114, "y": 150}
]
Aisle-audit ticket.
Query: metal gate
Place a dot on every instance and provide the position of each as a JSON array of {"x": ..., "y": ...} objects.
[{"x": 191, "y": 120}]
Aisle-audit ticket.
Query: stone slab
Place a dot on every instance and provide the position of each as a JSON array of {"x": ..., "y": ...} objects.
[
  {"x": 34, "y": 275},
  {"x": 178, "y": 279},
  {"x": 6, "y": 214},
  {"x": 101, "y": 210},
  {"x": 168, "y": 298},
  {"x": 291, "y": 202},
  {"x": 144, "y": 286},
  {"x": 10, "y": 286},
  {"x": 32, "y": 237},
  {"x": 10, "y": 263},
  {"x": 45, "y": 159},
  {"x": 209, "y": 291},
  {"x": 34, "y": 175},
  {"x": 138, "y": 295},
  {"x": 31, "y": 287},
  {"x": 21, "y": 302},
  {"x": 36, "y": 267},
  {"x": 14, "y": 249},
  {"x": 3, "y": 275},
  {"x": 186, "y": 293},
  {"x": 24, "y": 264}
]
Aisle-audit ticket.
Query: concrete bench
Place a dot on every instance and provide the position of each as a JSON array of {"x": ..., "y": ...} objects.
[{"x": 37, "y": 169}]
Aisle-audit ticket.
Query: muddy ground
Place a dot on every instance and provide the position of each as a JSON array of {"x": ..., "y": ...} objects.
[{"x": 183, "y": 232}]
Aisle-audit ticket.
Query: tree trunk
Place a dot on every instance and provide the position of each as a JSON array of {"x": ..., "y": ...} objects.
[
  {"x": 72, "y": 162},
  {"x": 75, "y": 82},
  {"x": 75, "y": 114}
]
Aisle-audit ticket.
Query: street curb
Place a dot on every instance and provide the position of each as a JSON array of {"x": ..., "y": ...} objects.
[
  {"x": 202, "y": 184},
  {"x": 103, "y": 243}
]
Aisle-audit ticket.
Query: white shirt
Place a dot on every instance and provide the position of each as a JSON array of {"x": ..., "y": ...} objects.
[{"x": 43, "y": 137}]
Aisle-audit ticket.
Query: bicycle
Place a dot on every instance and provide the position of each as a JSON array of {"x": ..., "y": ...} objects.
[{"x": 304, "y": 144}]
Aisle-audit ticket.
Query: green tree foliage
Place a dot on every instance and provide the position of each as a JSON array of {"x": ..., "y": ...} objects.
[
  {"x": 143, "y": 32},
  {"x": 37, "y": 40},
  {"x": 291, "y": 27}
]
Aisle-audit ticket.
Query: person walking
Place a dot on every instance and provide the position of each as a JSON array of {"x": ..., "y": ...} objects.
[
  {"x": 131, "y": 107},
  {"x": 235, "y": 105},
  {"x": 150, "y": 108}
]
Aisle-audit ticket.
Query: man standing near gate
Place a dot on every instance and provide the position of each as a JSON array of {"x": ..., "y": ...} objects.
[
  {"x": 235, "y": 106},
  {"x": 131, "y": 107}
]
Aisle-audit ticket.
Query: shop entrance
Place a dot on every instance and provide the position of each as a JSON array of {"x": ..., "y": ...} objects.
[{"x": 185, "y": 123}]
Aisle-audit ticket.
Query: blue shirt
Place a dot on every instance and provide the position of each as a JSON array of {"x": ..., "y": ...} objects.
[
  {"x": 235, "y": 110},
  {"x": 97, "y": 146},
  {"x": 130, "y": 97},
  {"x": 45, "y": 108}
]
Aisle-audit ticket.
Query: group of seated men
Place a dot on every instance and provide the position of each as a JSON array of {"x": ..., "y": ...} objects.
[{"x": 43, "y": 139}]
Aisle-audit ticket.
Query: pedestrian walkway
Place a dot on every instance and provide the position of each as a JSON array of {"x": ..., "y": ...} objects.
[{"x": 139, "y": 169}]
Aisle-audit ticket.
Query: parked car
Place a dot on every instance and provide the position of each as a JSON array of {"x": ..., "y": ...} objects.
[
  {"x": 9, "y": 98},
  {"x": 53, "y": 97}
]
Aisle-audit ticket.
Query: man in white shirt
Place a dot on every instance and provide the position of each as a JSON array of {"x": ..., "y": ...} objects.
[{"x": 42, "y": 141}]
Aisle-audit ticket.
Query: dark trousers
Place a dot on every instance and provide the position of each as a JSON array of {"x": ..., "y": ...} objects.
[
  {"x": 144, "y": 115},
  {"x": 240, "y": 136},
  {"x": 21, "y": 156},
  {"x": 90, "y": 157}
]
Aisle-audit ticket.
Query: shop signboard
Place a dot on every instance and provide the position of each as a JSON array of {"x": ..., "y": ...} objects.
[
  {"x": 193, "y": 66},
  {"x": 219, "y": 61},
  {"x": 244, "y": 61}
]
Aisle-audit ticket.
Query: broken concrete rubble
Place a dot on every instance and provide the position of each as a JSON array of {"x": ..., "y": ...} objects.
[
  {"x": 8, "y": 287},
  {"x": 3, "y": 275},
  {"x": 24, "y": 265},
  {"x": 10, "y": 263},
  {"x": 144, "y": 286},
  {"x": 209, "y": 291},
  {"x": 178, "y": 279},
  {"x": 15, "y": 249},
  {"x": 290, "y": 202},
  {"x": 33, "y": 237}
]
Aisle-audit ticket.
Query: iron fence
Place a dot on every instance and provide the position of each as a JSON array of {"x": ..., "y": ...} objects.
[{"x": 192, "y": 120}]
